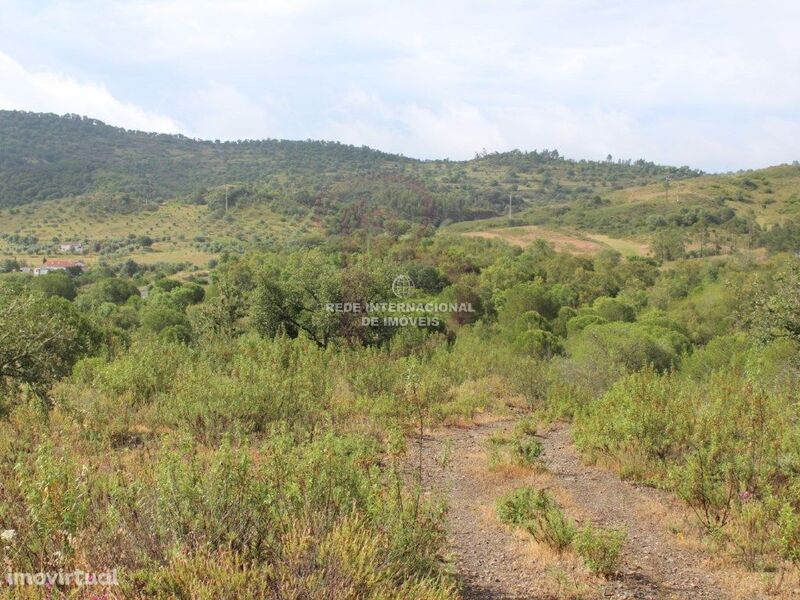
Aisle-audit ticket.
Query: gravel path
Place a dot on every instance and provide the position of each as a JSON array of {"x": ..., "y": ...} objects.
[
  {"x": 493, "y": 562},
  {"x": 655, "y": 565}
]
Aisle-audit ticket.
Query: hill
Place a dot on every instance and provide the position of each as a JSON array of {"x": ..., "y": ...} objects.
[
  {"x": 76, "y": 178},
  {"x": 44, "y": 156},
  {"x": 709, "y": 214}
]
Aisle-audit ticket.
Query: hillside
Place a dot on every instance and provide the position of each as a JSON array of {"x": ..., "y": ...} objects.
[
  {"x": 711, "y": 214},
  {"x": 75, "y": 178},
  {"x": 46, "y": 157}
]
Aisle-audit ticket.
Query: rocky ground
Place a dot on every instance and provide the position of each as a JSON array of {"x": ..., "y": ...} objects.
[{"x": 494, "y": 562}]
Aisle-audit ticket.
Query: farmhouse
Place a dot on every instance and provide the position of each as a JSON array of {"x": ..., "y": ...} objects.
[{"x": 58, "y": 265}]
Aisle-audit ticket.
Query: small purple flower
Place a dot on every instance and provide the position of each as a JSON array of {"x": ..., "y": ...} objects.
[{"x": 746, "y": 496}]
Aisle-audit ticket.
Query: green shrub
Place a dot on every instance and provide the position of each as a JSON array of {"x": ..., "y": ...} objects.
[
  {"x": 526, "y": 451},
  {"x": 538, "y": 343},
  {"x": 56, "y": 283},
  {"x": 600, "y": 548},
  {"x": 580, "y": 322},
  {"x": 631, "y": 345},
  {"x": 156, "y": 319},
  {"x": 538, "y": 513},
  {"x": 613, "y": 309}
]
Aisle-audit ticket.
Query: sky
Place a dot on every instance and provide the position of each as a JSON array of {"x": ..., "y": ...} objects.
[{"x": 713, "y": 85}]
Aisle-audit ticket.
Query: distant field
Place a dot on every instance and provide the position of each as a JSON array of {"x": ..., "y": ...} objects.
[
  {"x": 181, "y": 232},
  {"x": 769, "y": 195},
  {"x": 526, "y": 235},
  {"x": 623, "y": 246}
]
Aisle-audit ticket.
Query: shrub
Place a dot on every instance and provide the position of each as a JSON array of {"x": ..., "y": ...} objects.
[
  {"x": 41, "y": 339},
  {"x": 157, "y": 319},
  {"x": 55, "y": 284},
  {"x": 613, "y": 309},
  {"x": 538, "y": 343},
  {"x": 525, "y": 297},
  {"x": 526, "y": 451},
  {"x": 580, "y": 322},
  {"x": 538, "y": 513},
  {"x": 709, "y": 482},
  {"x": 630, "y": 345},
  {"x": 600, "y": 548}
]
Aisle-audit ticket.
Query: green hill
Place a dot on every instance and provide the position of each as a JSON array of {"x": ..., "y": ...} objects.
[
  {"x": 45, "y": 157},
  {"x": 710, "y": 214},
  {"x": 76, "y": 178}
]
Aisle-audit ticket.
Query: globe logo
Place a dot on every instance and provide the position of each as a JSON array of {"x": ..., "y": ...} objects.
[{"x": 402, "y": 286}]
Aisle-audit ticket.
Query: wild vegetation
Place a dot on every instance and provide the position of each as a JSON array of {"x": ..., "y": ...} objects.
[
  {"x": 72, "y": 178},
  {"x": 58, "y": 174},
  {"x": 245, "y": 425},
  {"x": 235, "y": 431}
]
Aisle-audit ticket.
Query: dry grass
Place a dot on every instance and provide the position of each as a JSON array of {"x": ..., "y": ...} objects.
[
  {"x": 526, "y": 235},
  {"x": 576, "y": 243}
]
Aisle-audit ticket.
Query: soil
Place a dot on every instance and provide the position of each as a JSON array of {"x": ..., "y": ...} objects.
[{"x": 493, "y": 561}]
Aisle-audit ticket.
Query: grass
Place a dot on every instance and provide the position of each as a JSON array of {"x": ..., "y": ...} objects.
[
  {"x": 563, "y": 240},
  {"x": 538, "y": 513}
]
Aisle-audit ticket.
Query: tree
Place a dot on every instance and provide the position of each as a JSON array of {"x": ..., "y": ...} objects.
[
  {"x": 55, "y": 284},
  {"x": 158, "y": 318},
  {"x": 774, "y": 313},
  {"x": 668, "y": 245},
  {"x": 41, "y": 338},
  {"x": 8, "y": 265},
  {"x": 291, "y": 297},
  {"x": 529, "y": 296},
  {"x": 114, "y": 290}
]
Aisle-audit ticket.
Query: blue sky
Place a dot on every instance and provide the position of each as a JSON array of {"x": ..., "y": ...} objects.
[{"x": 715, "y": 85}]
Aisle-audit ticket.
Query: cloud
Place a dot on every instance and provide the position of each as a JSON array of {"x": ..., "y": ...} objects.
[
  {"x": 227, "y": 113},
  {"x": 706, "y": 83},
  {"x": 45, "y": 91}
]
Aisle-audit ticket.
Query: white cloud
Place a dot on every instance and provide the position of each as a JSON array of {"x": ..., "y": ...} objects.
[
  {"x": 45, "y": 91},
  {"x": 227, "y": 113},
  {"x": 707, "y": 83}
]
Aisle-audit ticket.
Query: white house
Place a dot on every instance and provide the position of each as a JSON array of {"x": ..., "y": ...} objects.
[{"x": 58, "y": 265}]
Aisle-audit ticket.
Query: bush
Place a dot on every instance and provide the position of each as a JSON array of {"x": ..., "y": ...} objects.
[
  {"x": 526, "y": 451},
  {"x": 111, "y": 290},
  {"x": 55, "y": 284},
  {"x": 526, "y": 297},
  {"x": 538, "y": 513},
  {"x": 538, "y": 344},
  {"x": 42, "y": 338},
  {"x": 600, "y": 548},
  {"x": 631, "y": 345},
  {"x": 612, "y": 309},
  {"x": 580, "y": 322},
  {"x": 156, "y": 319}
]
